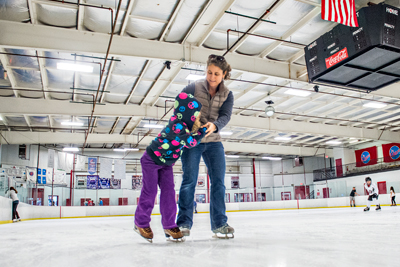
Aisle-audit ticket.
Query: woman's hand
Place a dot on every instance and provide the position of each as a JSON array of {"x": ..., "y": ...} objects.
[{"x": 210, "y": 128}]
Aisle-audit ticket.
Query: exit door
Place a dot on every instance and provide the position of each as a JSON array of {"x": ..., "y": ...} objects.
[
  {"x": 382, "y": 187},
  {"x": 302, "y": 192},
  {"x": 325, "y": 192}
]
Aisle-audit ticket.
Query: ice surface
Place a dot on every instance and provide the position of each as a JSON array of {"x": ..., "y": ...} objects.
[{"x": 318, "y": 237}]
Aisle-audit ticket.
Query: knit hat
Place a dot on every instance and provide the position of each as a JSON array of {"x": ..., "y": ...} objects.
[{"x": 187, "y": 108}]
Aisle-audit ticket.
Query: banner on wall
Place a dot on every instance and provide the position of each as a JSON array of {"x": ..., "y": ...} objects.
[
  {"x": 366, "y": 156},
  {"x": 235, "y": 182},
  {"x": 103, "y": 183},
  {"x": 92, "y": 165},
  {"x": 119, "y": 169},
  {"x": 105, "y": 168},
  {"x": 31, "y": 175},
  {"x": 50, "y": 158},
  {"x": 391, "y": 152},
  {"x": 137, "y": 182},
  {"x": 201, "y": 181},
  {"x": 92, "y": 181},
  {"x": 80, "y": 163},
  {"x": 115, "y": 183}
]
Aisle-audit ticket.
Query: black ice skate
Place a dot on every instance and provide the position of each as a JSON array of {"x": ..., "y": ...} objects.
[
  {"x": 378, "y": 208},
  {"x": 174, "y": 234},
  {"x": 224, "y": 232},
  {"x": 366, "y": 209}
]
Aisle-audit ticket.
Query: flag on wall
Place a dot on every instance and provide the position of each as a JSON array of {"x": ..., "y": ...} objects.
[
  {"x": 391, "y": 152},
  {"x": 340, "y": 11},
  {"x": 366, "y": 156}
]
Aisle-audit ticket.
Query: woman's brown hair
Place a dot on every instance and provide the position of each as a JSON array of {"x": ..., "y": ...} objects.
[
  {"x": 12, "y": 188},
  {"x": 220, "y": 62}
]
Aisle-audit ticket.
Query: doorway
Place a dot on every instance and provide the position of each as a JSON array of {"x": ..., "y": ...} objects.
[
  {"x": 302, "y": 192},
  {"x": 325, "y": 192},
  {"x": 382, "y": 187}
]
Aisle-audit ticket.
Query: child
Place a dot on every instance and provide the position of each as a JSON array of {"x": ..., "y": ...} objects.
[
  {"x": 182, "y": 131},
  {"x": 13, "y": 195},
  {"x": 392, "y": 196},
  {"x": 373, "y": 193},
  {"x": 353, "y": 194}
]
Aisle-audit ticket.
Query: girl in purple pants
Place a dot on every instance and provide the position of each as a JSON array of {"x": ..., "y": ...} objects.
[{"x": 162, "y": 153}]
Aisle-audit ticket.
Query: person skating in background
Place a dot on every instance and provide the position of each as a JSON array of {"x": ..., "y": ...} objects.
[
  {"x": 353, "y": 194},
  {"x": 183, "y": 130},
  {"x": 392, "y": 196},
  {"x": 195, "y": 206},
  {"x": 14, "y": 197},
  {"x": 373, "y": 194},
  {"x": 101, "y": 202}
]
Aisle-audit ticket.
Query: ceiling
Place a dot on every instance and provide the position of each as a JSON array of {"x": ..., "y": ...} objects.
[{"x": 149, "y": 32}]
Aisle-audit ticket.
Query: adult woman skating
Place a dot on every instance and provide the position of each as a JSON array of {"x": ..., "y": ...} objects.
[{"x": 216, "y": 112}]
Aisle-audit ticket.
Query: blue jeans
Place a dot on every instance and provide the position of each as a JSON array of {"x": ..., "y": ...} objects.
[{"x": 214, "y": 157}]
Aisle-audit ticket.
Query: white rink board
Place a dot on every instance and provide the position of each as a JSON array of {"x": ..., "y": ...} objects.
[{"x": 308, "y": 237}]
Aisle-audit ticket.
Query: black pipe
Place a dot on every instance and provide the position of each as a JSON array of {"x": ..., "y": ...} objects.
[{"x": 249, "y": 17}]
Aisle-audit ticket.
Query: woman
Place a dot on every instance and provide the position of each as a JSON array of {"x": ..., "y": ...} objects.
[
  {"x": 392, "y": 196},
  {"x": 216, "y": 112},
  {"x": 14, "y": 197}
]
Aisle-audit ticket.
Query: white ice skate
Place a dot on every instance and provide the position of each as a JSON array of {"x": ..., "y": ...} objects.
[
  {"x": 224, "y": 232},
  {"x": 185, "y": 231},
  {"x": 174, "y": 235}
]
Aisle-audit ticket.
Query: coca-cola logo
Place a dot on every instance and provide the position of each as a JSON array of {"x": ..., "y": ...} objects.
[{"x": 336, "y": 58}]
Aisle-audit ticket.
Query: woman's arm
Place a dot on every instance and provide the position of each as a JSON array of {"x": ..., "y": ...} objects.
[{"x": 225, "y": 113}]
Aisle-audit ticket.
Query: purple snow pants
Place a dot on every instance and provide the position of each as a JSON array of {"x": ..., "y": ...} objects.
[{"x": 162, "y": 176}]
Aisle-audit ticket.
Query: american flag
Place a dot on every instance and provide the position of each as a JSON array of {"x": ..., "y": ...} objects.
[{"x": 340, "y": 11}]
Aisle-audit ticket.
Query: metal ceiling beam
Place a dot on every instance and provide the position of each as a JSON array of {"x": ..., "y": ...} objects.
[
  {"x": 292, "y": 30},
  {"x": 126, "y": 18},
  {"x": 78, "y": 138},
  {"x": 81, "y": 16},
  {"x": 171, "y": 20},
  {"x": 138, "y": 80},
  {"x": 32, "y": 11},
  {"x": 10, "y": 75},
  {"x": 254, "y": 28},
  {"x": 43, "y": 74}
]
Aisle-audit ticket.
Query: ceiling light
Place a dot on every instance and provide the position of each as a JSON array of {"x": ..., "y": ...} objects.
[
  {"x": 131, "y": 149},
  {"x": 232, "y": 156},
  {"x": 333, "y": 142},
  {"x": 353, "y": 141},
  {"x": 272, "y": 158},
  {"x": 298, "y": 92},
  {"x": 374, "y": 105},
  {"x": 226, "y": 133},
  {"x": 282, "y": 138},
  {"x": 72, "y": 123},
  {"x": 119, "y": 150},
  {"x": 74, "y": 67},
  {"x": 71, "y": 149},
  {"x": 194, "y": 77},
  {"x": 269, "y": 110},
  {"x": 158, "y": 126},
  {"x": 1, "y": 118}
]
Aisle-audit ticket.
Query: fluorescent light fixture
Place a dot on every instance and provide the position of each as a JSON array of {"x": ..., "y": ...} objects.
[
  {"x": 272, "y": 158},
  {"x": 333, "y": 142},
  {"x": 282, "y": 138},
  {"x": 74, "y": 67},
  {"x": 72, "y": 123},
  {"x": 232, "y": 156},
  {"x": 119, "y": 150},
  {"x": 353, "y": 141},
  {"x": 374, "y": 105},
  {"x": 226, "y": 133},
  {"x": 131, "y": 149},
  {"x": 1, "y": 118},
  {"x": 297, "y": 92},
  {"x": 158, "y": 126},
  {"x": 71, "y": 149},
  {"x": 195, "y": 77}
]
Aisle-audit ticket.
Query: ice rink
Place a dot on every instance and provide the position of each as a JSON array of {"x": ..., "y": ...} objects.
[{"x": 315, "y": 237}]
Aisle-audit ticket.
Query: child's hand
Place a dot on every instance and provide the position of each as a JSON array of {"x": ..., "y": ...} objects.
[{"x": 210, "y": 128}]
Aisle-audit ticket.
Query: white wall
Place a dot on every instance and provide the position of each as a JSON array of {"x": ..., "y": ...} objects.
[{"x": 310, "y": 164}]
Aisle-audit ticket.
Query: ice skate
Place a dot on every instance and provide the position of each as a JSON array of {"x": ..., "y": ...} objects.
[
  {"x": 378, "y": 208},
  {"x": 174, "y": 235},
  {"x": 146, "y": 233},
  {"x": 185, "y": 231},
  {"x": 224, "y": 232},
  {"x": 15, "y": 220},
  {"x": 366, "y": 209}
]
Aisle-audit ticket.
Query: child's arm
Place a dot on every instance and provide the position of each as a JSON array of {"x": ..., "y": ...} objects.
[{"x": 191, "y": 139}]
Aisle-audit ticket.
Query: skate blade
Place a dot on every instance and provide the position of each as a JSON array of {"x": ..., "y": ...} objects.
[
  {"x": 178, "y": 240},
  {"x": 224, "y": 236},
  {"x": 147, "y": 239}
]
